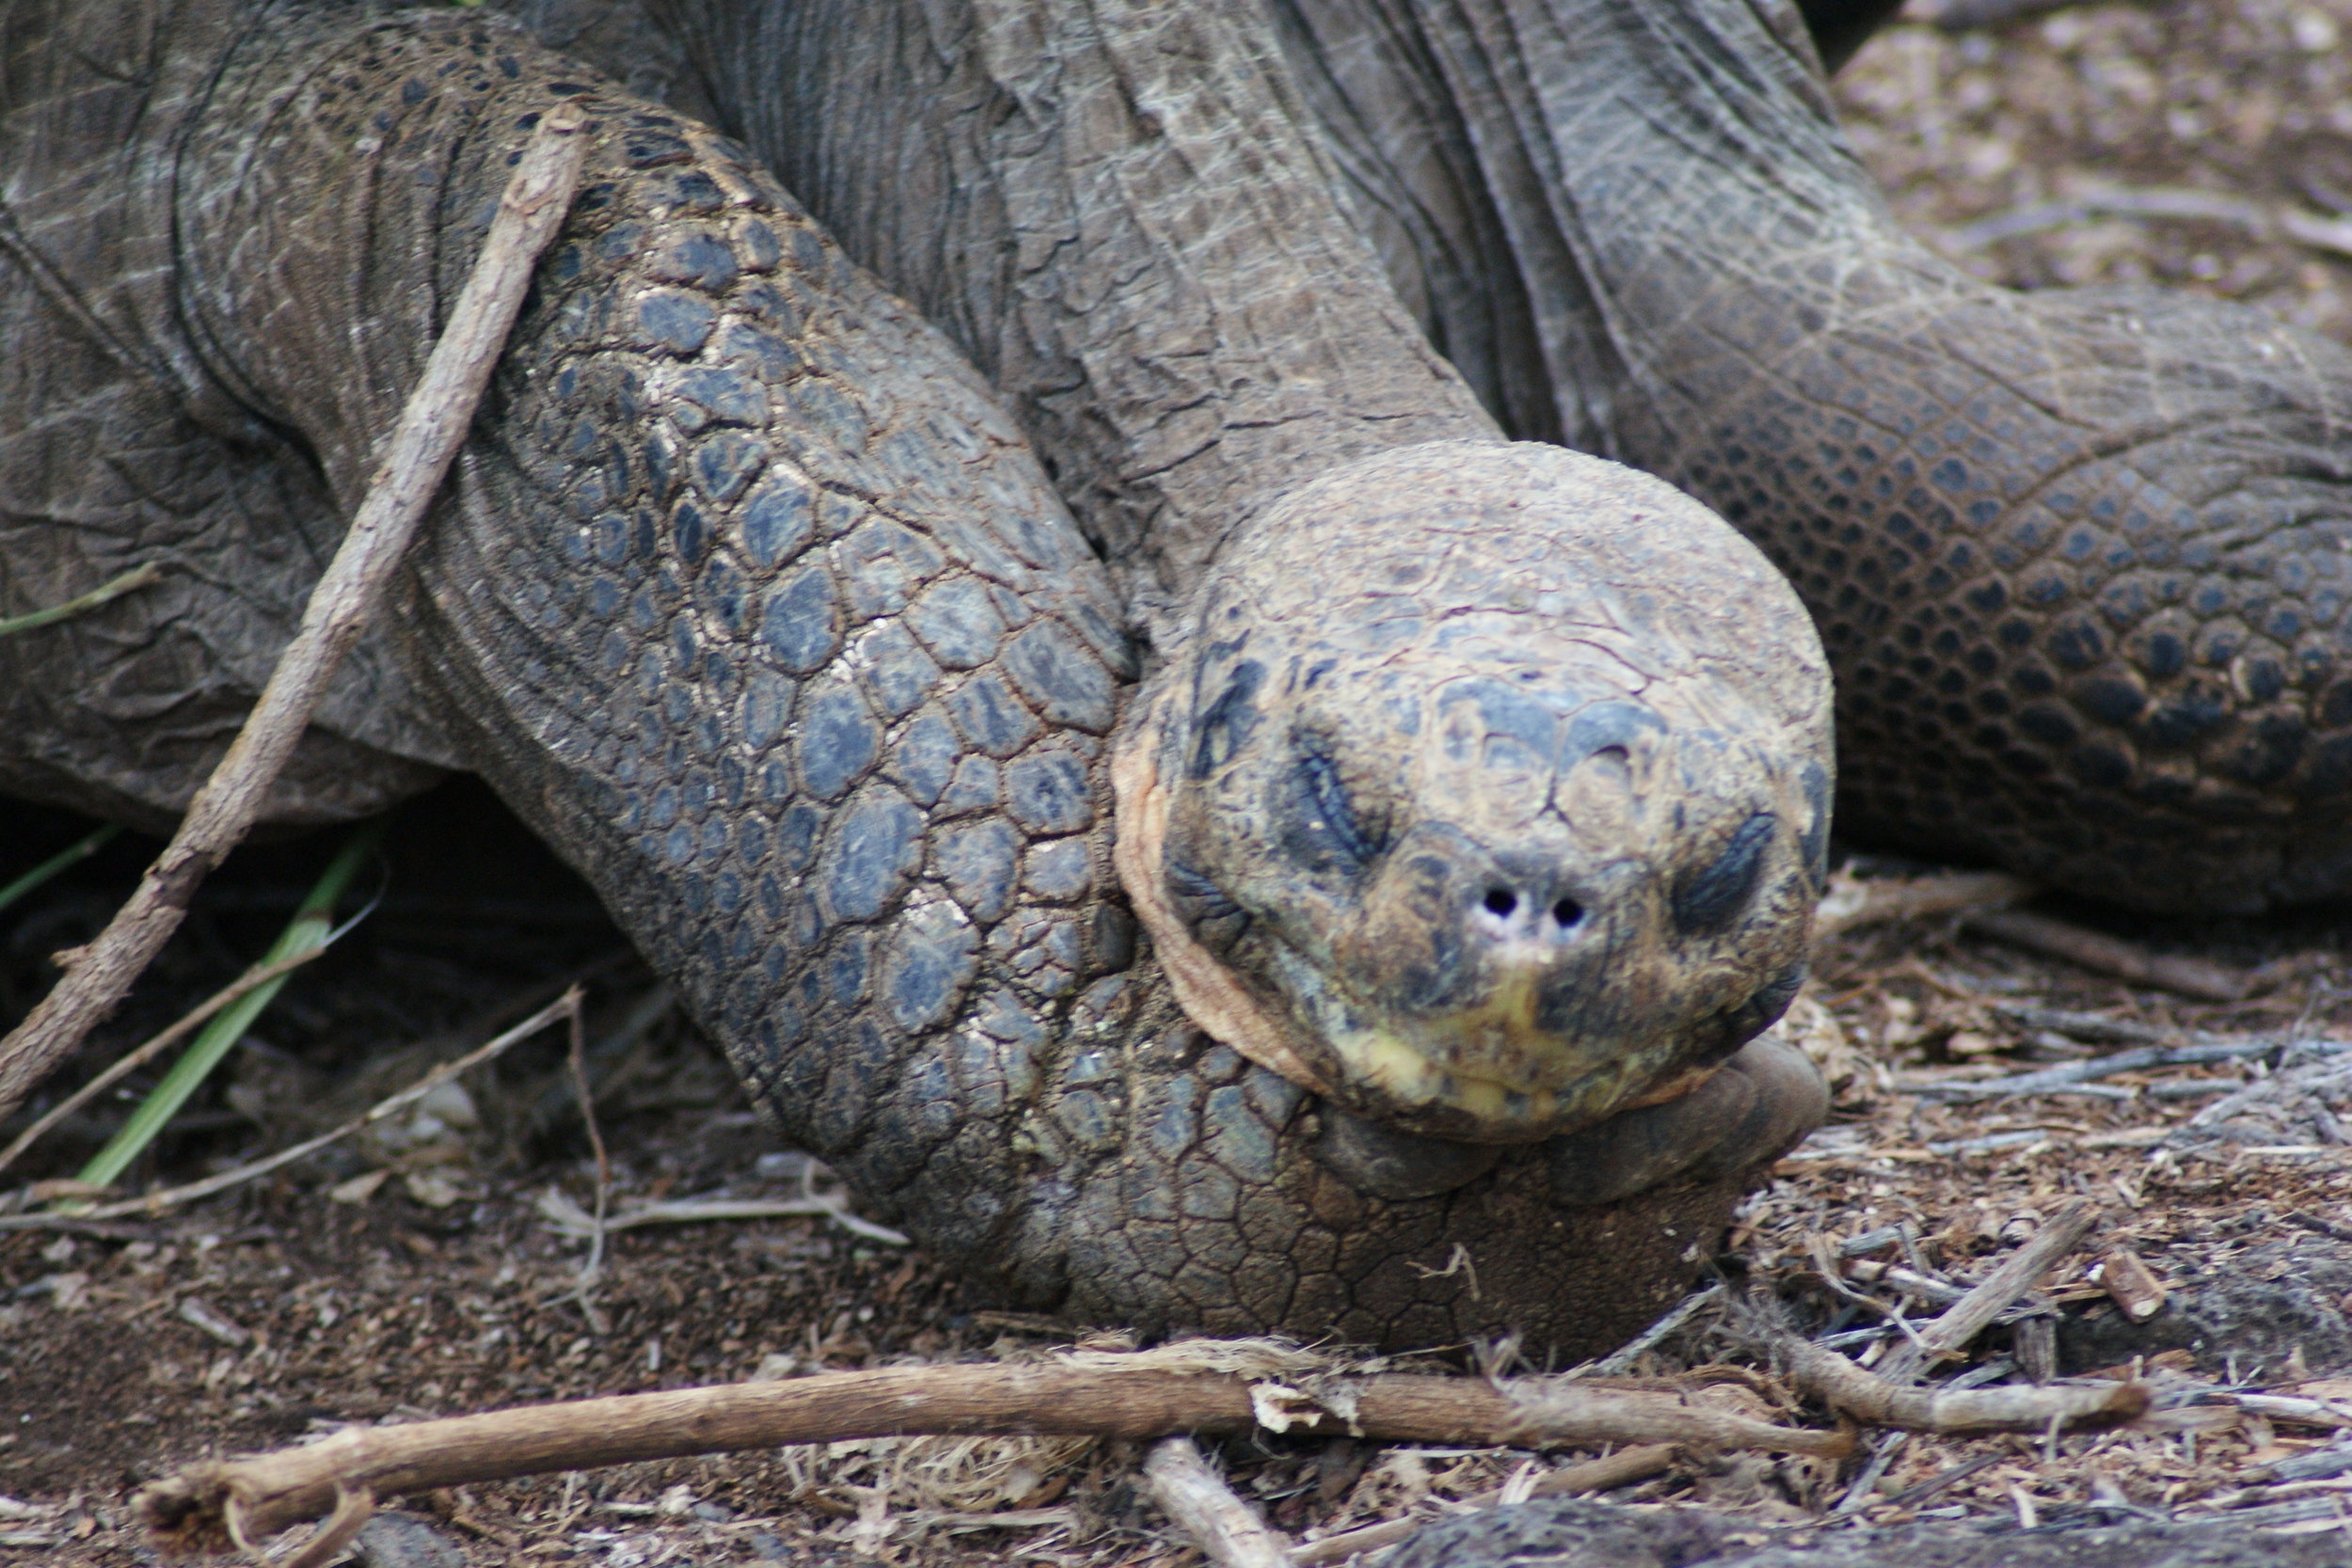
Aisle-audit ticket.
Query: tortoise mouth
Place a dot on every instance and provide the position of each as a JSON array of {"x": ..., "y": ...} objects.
[{"x": 1485, "y": 1072}]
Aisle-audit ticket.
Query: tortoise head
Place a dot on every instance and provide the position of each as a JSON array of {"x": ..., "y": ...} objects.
[{"x": 1485, "y": 791}]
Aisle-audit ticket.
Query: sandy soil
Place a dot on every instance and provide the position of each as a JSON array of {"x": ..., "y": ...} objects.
[{"x": 419, "y": 1273}]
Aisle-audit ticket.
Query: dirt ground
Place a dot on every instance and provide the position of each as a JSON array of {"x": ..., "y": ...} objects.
[{"x": 420, "y": 1273}]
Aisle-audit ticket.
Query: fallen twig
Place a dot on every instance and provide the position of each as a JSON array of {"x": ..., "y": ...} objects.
[
  {"x": 575, "y": 1055},
  {"x": 170, "y": 1197},
  {"x": 1910, "y": 1282},
  {"x": 2296, "y": 1411},
  {"x": 2104, "y": 955},
  {"x": 2073, "y": 1074},
  {"x": 2325, "y": 1227},
  {"x": 2259, "y": 219},
  {"x": 1620, "y": 1361},
  {"x": 1878, "y": 1401},
  {"x": 1198, "y": 1387},
  {"x": 1228, "y": 1531},
  {"x": 259, "y": 975},
  {"x": 1912, "y": 1497},
  {"x": 570, "y": 1219},
  {"x": 2135, "y": 1287},
  {"x": 1866, "y": 1482},
  {"x": 2100, "y": 1028},
  {"x": 1974, "y": 1312},
  {"x": 1962, "y": 16},
  {"x": 1852, "y": 901},
  {"x": 106, "y": 592},
  {"x": 432, "y": 426}
]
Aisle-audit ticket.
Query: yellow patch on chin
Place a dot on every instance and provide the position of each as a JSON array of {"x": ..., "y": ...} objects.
[{"x": 1406, "y": 1073}]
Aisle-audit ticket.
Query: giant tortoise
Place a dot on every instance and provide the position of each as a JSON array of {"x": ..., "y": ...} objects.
[{"x": 1125, "y": 709}]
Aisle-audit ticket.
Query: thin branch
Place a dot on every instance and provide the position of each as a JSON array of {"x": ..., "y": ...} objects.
[
  {"x": 1228, "y": 1531},
  {"x": 2104, "y": 955},
  {"x": 1198, "y": 1387},
  {"x": 172, "y": 1197},
  {"x": 1852, "y": 902},
  {"x": 1912, "y": 1497},
  {"x": 430, "y": 428},
  {"x": 2099, "y": 1028},
  {"x": 2185, "y": 203},
  {"x": 570, "y": 1219},
  {"x": 1865, "y": 1484},
  {"x": 578, "y": 1055},
  {"x": 252, "y": 979},
  {"x": 1974, "y": 1312},
  {"x": 2073, "y": 1074},
  {"x": 1620, "y": 1361},
  {"x": 1878, "y": 1402}
]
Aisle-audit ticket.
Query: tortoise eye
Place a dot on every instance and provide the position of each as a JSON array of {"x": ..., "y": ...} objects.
[
  {"x": 1331, "y": 824},
  {"x": 1707, "y": 901}
]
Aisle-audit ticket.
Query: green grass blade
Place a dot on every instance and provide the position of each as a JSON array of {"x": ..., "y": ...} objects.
[
  {"x": 130, "y": 582},
  {"x": 81, "y": 849},
  {"x": 306, "y": 931}
]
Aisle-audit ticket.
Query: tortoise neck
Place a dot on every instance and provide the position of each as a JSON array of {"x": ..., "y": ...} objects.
[
  {"x": 1572, "y": 192},
  {"x": 1123, "y": 214}
]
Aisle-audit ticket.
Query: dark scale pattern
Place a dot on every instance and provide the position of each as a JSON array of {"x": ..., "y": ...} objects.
[
  {"x": 746, "y": 595},
  {"x": 2105, "y": 656},
  {"x": 674, "y": 614}
]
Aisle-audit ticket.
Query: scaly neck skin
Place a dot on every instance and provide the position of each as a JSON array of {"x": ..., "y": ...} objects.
[
  {"x": 1120, "y": 212},
  {"x": 1672, "y": 182},
  {"x": 1619, "y": 175},
  {"x": 2078, "y": 558}
]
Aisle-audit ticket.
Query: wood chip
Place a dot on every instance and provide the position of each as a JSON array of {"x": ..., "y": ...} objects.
[{"x": 2135, "y": 1290}]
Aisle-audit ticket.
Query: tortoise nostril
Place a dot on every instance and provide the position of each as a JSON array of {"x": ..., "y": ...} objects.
[
  {"x": 1501, "y": 901},
  {"x": 1567, "y": 912}
]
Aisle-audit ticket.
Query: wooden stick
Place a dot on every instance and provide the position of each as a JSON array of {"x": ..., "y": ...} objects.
[
  {"x": 1094, "y": 1395},
  {"x": 154, "y": 1203},
  {"x": 1620, "y": 1361},
  {"x": 1228, "y": 1530},
  {"x": 1606, "y": 1474},
  {"x": 2106, "y": 954},
  {"x": 432, "y": 426},
  {"x": 2100, "y": 1028},
  {"x": 259, "y": 975},
  {"x": 1852, "y": 902},
  {"x": 1868, "y": 1398},
  {"x": 2076, "y": 1074},
  {"x": 353, "y": 1508},
  {"x": 1974, "y": 1312}
]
